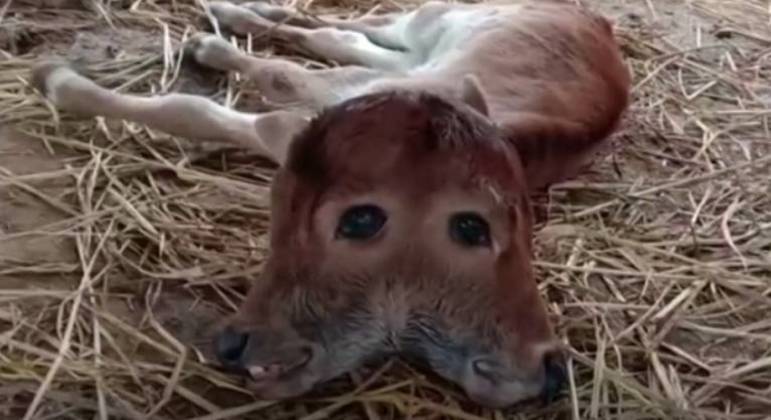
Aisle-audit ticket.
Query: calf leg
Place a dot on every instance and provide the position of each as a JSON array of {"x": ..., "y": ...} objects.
[
  {"x": 290, "y": 16},
  {"x": 383, "y": 30},
  {"x": 410, "y": 32},
  {"x": 184, "y": 115},
  {"x": 342, "y": 46},
  {"x": 280, "y": 81}
]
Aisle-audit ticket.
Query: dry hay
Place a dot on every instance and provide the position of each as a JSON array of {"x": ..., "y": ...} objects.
[{"x": 656, "y": 262}]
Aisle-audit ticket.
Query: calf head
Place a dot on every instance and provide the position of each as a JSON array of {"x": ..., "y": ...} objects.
[{"x": 400, "y": 223}]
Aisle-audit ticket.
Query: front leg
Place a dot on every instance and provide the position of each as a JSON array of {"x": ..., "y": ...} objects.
[
  {"x": 281, "y": 82},
  {"x": 404, "y": 32},
  {"x": 291, "y": 16},
  {"x": 348, "y": 47},
  {"x": 187, "y": 116},
  {"x": 383, "y": 30}
]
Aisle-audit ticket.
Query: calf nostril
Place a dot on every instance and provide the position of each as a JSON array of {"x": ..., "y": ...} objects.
[
  {"x": 230, "y": 346},
  {"x": 555, "y": 376},
  {"x": 487, "y": 369}
]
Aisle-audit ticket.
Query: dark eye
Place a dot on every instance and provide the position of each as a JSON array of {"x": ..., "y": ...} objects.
[
  {"x": 470, "y": 229},
  {"x": 361, "y": 222}
]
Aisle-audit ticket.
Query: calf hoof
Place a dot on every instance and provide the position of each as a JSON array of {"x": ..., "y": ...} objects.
[
  {"x": 277, "y": 14},
  {"x": 44, "y": 76},
  {"x": 212, "y": 51},
  {"x": 238, "y": 19}
]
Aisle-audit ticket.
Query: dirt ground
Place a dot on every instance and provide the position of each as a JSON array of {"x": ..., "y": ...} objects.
[{"x": 120, "y": 247}]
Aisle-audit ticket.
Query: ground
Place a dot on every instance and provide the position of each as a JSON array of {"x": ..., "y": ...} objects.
[{"x": 120, "y": 247}]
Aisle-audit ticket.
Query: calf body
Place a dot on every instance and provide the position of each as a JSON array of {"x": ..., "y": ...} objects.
[{"x": 400, "y": 214}]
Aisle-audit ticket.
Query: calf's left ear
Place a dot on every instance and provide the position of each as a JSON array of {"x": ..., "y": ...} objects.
[
  {"x": 276, "y": 131},
  {"x": 548, "y": 147}
]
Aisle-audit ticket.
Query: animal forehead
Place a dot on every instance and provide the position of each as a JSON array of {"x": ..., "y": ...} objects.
[{"x": 399, "y": 133}]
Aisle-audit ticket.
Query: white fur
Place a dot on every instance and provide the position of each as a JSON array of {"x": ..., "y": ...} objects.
[
  {"x": 428, "y": 38},
  {"x": 443, "y": 39}
]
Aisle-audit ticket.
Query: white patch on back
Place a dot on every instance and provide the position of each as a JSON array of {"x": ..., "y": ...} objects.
[{"x": 444, "y": 40}]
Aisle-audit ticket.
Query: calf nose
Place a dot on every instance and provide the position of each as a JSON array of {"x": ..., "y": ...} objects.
[
  {"x": 556, "y": 375},
  {"x": 230, "y": 345}
]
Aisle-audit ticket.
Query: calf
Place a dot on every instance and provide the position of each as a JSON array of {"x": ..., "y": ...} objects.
[{"x": 400, "y": 213}]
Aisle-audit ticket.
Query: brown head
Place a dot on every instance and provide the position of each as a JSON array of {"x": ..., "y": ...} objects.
[{"x": 400, "y": 223}]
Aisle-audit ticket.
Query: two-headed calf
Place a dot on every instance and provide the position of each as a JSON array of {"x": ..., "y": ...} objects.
[{"x": 400, "y": 215}]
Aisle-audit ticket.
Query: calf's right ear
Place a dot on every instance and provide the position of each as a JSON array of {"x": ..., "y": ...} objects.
[{"x": 473, "y": 95}]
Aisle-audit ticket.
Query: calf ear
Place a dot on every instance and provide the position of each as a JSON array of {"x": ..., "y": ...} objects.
[
  {"x": 473, "y": 95},
  {"x": 552, "y": 149},
  {"x": 276, "y": 130}
]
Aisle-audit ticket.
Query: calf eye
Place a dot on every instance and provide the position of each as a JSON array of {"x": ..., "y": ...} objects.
[
  {"x": 361, "y": 222},
  {"x": 470, "y": 229}
]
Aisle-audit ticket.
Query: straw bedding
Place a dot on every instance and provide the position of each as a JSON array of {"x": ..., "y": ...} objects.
[{"x": 120, "y": 246}]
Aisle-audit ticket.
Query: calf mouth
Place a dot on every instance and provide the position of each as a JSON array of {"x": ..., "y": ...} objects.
[
  {"x": 276, "y": 371},
  {"x": 265, "y": 373}
]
